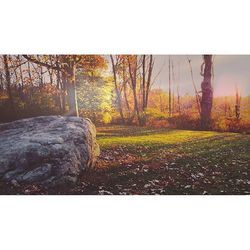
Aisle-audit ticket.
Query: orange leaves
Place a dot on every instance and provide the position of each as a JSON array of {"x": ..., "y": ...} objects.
[
  {"x": 85, "y": 62},
  {"x": 91, "y": 62}
]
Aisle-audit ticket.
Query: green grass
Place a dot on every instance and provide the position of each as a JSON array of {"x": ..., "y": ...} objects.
[
  {"x": 181, "y": 161},
  {"x": 133, "y": 136},
  {"x": 187, "y": 147}
]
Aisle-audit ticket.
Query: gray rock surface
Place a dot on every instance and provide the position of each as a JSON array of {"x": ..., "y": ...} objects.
[{"x": 48, "y": 150}]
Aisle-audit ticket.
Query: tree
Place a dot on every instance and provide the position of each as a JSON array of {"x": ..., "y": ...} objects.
[
  {"x": 237, "y": 103},
  {"x": 95, "y": 97},
  {"x": 169, "y": 89},
  {"x": 178, "y": 91},
  {"x": 173, "y": 93},
  {"x": 67, "y": 65},
  {"x": 133, "y": 71},
  {"x": 8, "y": 80},
  {"x": 125, "y": 80},
  {"x": 197, "y": 97},
  {"x": 117, "y": 90},
  {"x": 147, "y": 70},
  {"x": 207, "y": 92}
]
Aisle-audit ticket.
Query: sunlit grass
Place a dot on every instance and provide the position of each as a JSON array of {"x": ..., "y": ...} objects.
[
  {"x": 190, "y": 162},
  {"x": 129, "y": 136},
  {"x": 206, "y": 146}
]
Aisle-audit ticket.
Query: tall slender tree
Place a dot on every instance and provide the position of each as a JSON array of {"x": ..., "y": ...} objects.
[
  {"x": 237, "y": 103},
  {"x": 133, "y": 71},
  {"x": 173, "y": 92},
  {"x": 207, "y": 92},
  {"x": 8, "y": 80},
  {"x": 169, "y": 88},
  {"x": 197, "y": 96},
  {"x": 178, "y": 91},
  {"x": 117, "y": 90}
]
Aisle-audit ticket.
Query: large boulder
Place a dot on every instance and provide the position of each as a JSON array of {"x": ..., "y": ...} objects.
[{"x": 47, "y": 150}]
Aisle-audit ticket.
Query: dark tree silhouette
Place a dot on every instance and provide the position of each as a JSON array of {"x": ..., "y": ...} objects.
[{"x": 207, "y": 92}]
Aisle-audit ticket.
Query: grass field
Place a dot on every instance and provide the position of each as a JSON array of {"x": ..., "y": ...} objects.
[{"x": 146, "y": 161}]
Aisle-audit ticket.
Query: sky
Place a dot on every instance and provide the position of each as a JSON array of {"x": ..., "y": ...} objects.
[{"x": 229, "y": 71}]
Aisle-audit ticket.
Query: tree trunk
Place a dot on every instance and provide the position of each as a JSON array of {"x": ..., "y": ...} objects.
[
  {"x": 21, "y": 77},
  {"x": 133, "y": 74},
  {"x": 197, "y": 96},
  {"x": 29, "y": 73},
  {"x": 178, "y": 101},
  {"x": 72, "y": 96},
  {"x": 118, "y": 94},
  {"x": 50, "y": 72},
  {"x": 41, "y": 76},
  {"x": 136, "y": 107},
  {"x": 173, "y": 92},
  {"x": 1, "y": 83},
  {"x": 59, "y": 86},
  {"x": 150, "y": 70},
  {"x": 143, "y": 82},
  {"x": 169, "y": 90},
  {"x": 63, "y": 87},
  {"x": 125, "y": 92},
  {"x": 126, "y": 97},
  {"x": 207, "y": 93},
  {"x": 147, "y": 68},
  {"x": 178, "y": 91},
  {"x": 73, "y": 109},
  {"x": 8, "y": 81},
  {"x": 237, "y": 104}
]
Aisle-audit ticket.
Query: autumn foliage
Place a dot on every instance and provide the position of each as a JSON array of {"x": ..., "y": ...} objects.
[{"x": 117, "y": 89}]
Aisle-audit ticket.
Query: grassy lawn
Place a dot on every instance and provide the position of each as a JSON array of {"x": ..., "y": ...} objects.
[
  {"x": 175, "y": 161},
  {"x": 211, "y": 147}
]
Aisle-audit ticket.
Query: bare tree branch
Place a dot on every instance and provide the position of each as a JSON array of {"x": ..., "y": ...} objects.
[{"x": 34, "y": 60}]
